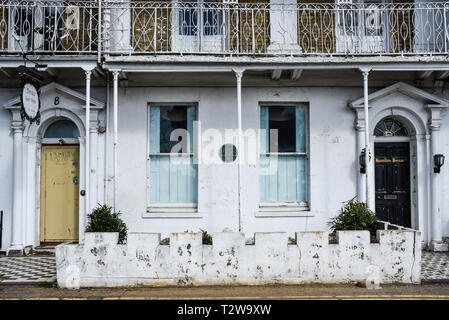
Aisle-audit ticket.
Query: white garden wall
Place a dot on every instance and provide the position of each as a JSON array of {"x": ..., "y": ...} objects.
[{"x": 144, "y": 261}]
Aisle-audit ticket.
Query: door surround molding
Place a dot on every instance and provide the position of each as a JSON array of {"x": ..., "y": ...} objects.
[
  {"x": 420, "y": 111},
  {"x": 71, "y": 107}
]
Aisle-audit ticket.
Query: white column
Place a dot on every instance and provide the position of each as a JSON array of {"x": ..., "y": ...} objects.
[
  {"x": 82, "y": 205},
  {"x": 93, "y": 133},
  {"x": 16, "y": 246},
  {"x": 115, "y": 155},
  {"x": 367, "y": 138},
  {"x": 87, "y": 126},
  {"x": 240, "y": 155},
  {"x": 436, "y": 243}
]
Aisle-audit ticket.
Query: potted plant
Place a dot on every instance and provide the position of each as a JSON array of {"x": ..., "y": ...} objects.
[
  {"x": 102, "y": 219},
  {"x": 354, "y": 215}
]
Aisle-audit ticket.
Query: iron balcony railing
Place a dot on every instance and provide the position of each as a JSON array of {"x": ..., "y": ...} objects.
[{"x": 224, "y": 27}]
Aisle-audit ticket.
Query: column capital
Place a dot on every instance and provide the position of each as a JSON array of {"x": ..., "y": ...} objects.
[
  {"x": 435, "y": 124},
  {"x": 365, "y": 72},
  {"x": 238, "y": 73},
  {"x": 115, "y": 74},
  {"x": 360, "y": 125},
  {"x": 17, "y": 126},
  {"x": 93, "y": 126},
  {"x": 88, "y": 74}
]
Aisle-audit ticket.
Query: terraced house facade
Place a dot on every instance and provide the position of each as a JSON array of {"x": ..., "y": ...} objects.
[{"x": 251, "y": 116}]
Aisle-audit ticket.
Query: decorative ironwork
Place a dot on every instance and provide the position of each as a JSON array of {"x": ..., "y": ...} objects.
[
  {"x": 224, "y": 27},
  {"x": 390, "y": 127}
]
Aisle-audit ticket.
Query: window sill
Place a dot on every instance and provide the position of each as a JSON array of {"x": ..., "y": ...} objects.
[
  {"x": 283, "y": 210},
  {"x": 172, "y": 211}
]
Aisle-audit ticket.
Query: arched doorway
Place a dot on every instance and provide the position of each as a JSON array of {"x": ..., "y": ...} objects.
[
  {"x": 392, "y": 171},
  {"x": 60, "y": 167}
]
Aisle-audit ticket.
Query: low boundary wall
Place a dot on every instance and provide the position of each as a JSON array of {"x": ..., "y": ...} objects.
[{"x": 101, "y": 262}]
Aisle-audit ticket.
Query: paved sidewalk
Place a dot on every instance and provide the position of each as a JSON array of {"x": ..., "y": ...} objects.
[
  {"x": 281, "y": 292},
  {"x": 27, "y": 270},
  {"x": 434, "y": 267},
  {"x": 39, "y": 269}
]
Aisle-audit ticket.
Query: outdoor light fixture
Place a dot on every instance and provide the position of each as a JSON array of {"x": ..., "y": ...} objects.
[
  {"x": 438, "y": 161},
  {"x": 24, "y": 71},
  {"x": 41, "y": 67},
  {"x": 362, "y": 161}
]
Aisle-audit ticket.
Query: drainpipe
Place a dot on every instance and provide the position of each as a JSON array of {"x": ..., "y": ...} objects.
[
  {"x": 367, "y": 135},
  {"x": 115, "y": 75},
  {"x": 100, "y": 24},
  {"x": 239, "y": 75},
  {"x": 87, "y": 166}
]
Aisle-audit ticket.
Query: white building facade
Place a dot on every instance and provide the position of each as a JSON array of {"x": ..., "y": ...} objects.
[{"x": 125, "y": 82}]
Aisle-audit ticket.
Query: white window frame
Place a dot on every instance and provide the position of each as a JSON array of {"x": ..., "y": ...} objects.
[
  {"x": 170, "y": 210},
  {"x": 288, "y": 209}
]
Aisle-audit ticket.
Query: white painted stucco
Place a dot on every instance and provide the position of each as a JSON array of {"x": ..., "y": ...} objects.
[
  {"x": 333, "y": 158},
  {"x": 101, "y": 262}
]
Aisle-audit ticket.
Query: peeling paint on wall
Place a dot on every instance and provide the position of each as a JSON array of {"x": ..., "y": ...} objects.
[{"x": 186, "y": 261}]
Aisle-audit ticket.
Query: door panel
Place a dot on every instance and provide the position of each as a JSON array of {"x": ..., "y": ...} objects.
[
  {"x": 393, "y": 183},
  {"x": 59, "y": 193}
]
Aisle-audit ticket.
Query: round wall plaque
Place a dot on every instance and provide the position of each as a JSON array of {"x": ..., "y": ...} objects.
[
  {"x": 228, "y": 153},
  {"x": 30, "y": 102}
]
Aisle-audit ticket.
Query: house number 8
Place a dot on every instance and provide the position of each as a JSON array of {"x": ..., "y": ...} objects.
[{"x": 56, "y": 101}]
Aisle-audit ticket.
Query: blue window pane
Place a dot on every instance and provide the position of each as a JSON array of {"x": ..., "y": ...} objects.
[
  {"x": 212, "y": 18},
  {"x": 62, "y": 129},
  {"x": 283, "y": 177},
  {"x": 173, "y": 181},
  {"x": 191, "y": 12},
  {"x": 173, "y": 178}
]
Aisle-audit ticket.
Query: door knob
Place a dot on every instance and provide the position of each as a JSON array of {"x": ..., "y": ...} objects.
[{"x": 83, "y": 193}]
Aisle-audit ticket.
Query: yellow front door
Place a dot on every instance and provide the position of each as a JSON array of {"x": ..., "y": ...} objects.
[{"x": 59, "y": 193}]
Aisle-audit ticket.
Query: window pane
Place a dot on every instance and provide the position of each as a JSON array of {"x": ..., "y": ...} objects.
[
  {"x": 173, "y": 178},
  {"x": 212, "y": 18},
  {"x": 188, "y": 18},
  {"x": 283, "y": 120},
  {"x": 283, "y": 177},
  {"x": 171, "y": 118},
  {"x": 173, "y": 181},
  {"x": 62, "y": 129},
  {"x": 286, "y": 182}
]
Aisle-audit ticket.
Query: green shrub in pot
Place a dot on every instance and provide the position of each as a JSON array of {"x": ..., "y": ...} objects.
[
  {"x": 102, "y": 219},
  {"x": 354, "y": 215}
]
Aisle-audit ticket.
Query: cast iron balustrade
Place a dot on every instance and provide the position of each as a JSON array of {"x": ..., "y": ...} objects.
[{"x": 224, "y": 27}]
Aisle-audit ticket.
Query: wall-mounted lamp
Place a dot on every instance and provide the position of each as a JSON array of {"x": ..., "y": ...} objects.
[
  {"x": 362, "y": 161},
  {"x": 438, "y": 161}
]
